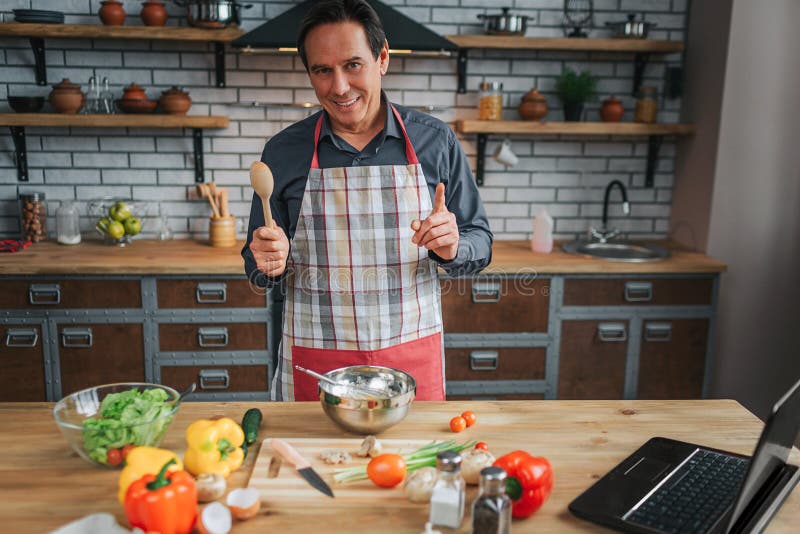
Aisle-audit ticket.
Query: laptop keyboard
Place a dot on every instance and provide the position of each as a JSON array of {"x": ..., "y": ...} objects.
[{"x": 695, "y": 496}]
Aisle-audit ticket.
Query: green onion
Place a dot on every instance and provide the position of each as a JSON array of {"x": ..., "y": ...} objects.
[{"x": 425, "y": 456}]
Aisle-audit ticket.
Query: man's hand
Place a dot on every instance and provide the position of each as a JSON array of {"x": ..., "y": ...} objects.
[
  {"x": 439, "y": 232},
  {"x": 270, "y": 248}
]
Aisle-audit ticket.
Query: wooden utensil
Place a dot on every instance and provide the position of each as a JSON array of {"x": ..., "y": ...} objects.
[
  {"x": 203, "y": 191},
  {"x": 223, "y": 202},
  {"x": 262, "y": 182}
]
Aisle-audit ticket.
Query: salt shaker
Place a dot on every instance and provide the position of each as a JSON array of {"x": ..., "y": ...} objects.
[
  {"x": 447, "y": 499},
  {"x": 67, "y": 224},
  {"x": 491, "y": 511}
]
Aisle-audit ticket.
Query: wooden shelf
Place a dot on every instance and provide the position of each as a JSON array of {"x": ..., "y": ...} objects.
[
  {"x": 151, "y": 120},
  {"x": 566, "y": 43},
  {"x": 571, "y": 128},
  {"x": 99, "y": 31}
]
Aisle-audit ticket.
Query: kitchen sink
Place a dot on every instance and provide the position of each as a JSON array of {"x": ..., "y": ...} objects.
[{"x": 617, "y": 250}]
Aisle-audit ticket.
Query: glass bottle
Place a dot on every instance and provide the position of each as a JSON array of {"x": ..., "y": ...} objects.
[
  {"x": 490, "y": 101},
  {"x": 68, "y": 224},
  {"x": 447, "y": 499},
  {"x": 646, "y": 107},
  {"x": 33, "y": 217},
  {"x": 491, "y": 511}
]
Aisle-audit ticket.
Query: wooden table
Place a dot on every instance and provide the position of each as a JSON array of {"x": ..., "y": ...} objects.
[{"x": 43, "y": 484}]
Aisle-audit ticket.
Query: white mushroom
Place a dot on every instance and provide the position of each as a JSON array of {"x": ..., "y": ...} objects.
[
  {"x": 369, "y": 447},
  {"x": 210, "y": 487},
  {"x": 419, "y": 484},
  {"x": 472, "y": 461}
]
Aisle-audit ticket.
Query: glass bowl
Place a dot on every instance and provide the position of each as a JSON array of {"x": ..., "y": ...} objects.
[
  {"x": 132, "y": 419},
  {"x": 100, "y": 209}
]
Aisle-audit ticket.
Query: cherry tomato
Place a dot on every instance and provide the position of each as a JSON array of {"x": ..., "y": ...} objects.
[
  {"x": 482, "y": 445},
  {"x": 457, "y": 424},
  {"x": 114, "y": 457},
  {"x": 469, "y": 417},
  {"x": 126, "y": 449},
  {"x": 387, "y": 470}
]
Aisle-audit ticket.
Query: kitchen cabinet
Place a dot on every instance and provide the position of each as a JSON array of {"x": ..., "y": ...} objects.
[
  {"x": 22, "y": 377},
  {"x": 591, "y": 359},
  {"x": 672, "y": 358}
]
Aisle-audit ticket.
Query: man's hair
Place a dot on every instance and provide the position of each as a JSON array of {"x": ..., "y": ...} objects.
[{"x": 335, "y": 11}]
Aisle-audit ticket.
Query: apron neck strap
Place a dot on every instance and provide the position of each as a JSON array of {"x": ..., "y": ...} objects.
[{"x": 411, "y": 154}]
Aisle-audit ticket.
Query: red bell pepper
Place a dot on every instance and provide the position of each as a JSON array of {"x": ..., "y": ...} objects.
[
  {"x": 164, "y": 503},
  {"x": 530, "y": 479}
]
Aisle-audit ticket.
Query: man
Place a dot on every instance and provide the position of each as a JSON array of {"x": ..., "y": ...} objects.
[{"x": 369, "y": 200}]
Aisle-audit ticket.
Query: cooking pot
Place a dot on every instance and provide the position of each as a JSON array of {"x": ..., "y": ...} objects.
[
  {"x": 212, "y": 13},
  {"x": 631, "y": 29},
  {"x": 504, "y": 24}
]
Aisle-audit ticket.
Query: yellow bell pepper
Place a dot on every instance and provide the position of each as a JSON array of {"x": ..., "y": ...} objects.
[
  {"x": 214, "y": 447},
  {"x": 142, "y": 461}
]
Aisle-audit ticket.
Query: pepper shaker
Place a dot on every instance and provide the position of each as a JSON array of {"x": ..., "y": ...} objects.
[{"x": 491, "y": 511}]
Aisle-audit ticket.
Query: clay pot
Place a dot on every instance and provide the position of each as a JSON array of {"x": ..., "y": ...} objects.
[
  {"x": 533, "y": 106},
  {"x": 112, "y": 13},
  {"x": 133, "y": 92},
  {"x": 175, "y": 102},
  {"x": 611, "y": 110},
  {"x": 66, "y": 97},
  {"x": 153, "y": 13}
]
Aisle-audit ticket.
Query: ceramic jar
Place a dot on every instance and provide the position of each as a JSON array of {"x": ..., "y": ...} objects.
[
  {"x": 175, "y": 102},
  {"x": 153, "y": 13},
  {"x": 66, "y": 97},
  {"x": 112, "y": 13},
  {"x": 533, "y": 106},
  {"x": 133, "y": 92},
  {"x": 611, "y": 110}
]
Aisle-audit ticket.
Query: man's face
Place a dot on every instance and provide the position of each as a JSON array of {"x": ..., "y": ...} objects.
[{"x": 345, "y": 76}]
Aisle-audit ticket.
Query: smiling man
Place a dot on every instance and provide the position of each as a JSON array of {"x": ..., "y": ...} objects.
[{"x": 370, "y": 199}]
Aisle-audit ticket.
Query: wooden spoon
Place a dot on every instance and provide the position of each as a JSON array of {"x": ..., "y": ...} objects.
[
  {"x": 203, "y": 191},
  {"x": 262, "y": 182},
  {"x": 222, "y": 196}
]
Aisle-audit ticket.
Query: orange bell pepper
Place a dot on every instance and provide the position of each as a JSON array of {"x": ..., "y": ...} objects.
[
  {"x": 164, "y": 503},
  {"x": 530, "y": 479}
]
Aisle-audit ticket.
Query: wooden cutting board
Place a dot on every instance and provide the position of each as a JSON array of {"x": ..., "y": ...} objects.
[{"x": 289, "y": 488}]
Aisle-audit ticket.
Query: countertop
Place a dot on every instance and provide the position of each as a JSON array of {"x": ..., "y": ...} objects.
[
  {"x": 43, "y": 484},
  {"x": 150, "y": 257}
]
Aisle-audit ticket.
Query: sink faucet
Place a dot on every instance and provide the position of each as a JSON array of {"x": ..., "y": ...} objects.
[{"x": 604, "y": 234}]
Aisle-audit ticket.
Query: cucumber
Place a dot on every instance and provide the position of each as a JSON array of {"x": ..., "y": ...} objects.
[{"x": 250, "y": 423}]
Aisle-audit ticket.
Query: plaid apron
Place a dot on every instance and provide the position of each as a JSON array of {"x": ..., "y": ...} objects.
[{"x": 358, "y": 290}]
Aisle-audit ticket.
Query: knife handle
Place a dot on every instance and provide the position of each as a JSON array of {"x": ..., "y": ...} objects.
[{"x": 289, "y": 453}]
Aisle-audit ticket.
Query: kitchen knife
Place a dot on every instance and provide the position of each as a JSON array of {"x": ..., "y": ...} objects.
[{"x": 301, "y": 465}]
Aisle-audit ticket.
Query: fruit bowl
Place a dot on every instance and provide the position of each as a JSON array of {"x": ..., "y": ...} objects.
[
  {"x": 101, "y": 423},
  {"x": 118, "y": 220}
]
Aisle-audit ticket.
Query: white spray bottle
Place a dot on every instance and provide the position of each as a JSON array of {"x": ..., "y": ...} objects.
[{"x": 542, "y": 240}]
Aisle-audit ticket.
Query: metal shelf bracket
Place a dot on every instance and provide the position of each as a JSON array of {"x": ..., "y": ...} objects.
[
  {"x": 199, "y": 173},
  {"x": 20, "y": 152},
  {"x": 653, "y": 146},
  {"x": 462, "y": 70},
  {"x": 480, "y": 164},
  {"x": 37, "y": 44},
  {"x": 639, "y": 63},
  {"x": 219, "y": 61}
]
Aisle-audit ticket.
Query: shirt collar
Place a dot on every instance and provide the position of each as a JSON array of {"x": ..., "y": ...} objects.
[{"x": 390, "y": 129}]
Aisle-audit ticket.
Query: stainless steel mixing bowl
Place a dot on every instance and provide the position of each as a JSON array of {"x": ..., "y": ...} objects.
[{"x": 367, "y": 416}]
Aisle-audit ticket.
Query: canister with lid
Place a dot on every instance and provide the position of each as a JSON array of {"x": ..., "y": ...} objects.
[
  {"x": 68, "y": 224},
  {"x": 490, "y": 101},
  {"x": 646, "y": 106},
  {"x": 33, "y": 217}
]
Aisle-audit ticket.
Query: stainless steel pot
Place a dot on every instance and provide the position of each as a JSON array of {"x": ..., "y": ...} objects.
[
  {"x": 212, "y": 13},
  {"x": 504, "y": 24},
  {"x": 631, "y": 28}
]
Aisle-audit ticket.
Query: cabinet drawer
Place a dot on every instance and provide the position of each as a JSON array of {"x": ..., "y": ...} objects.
[
  {"x": 94, "y": 354},
  {"x": 63, "y": 294},
  {"x": 637, "y": 291},
  {"x": 591, "y": 360},
  {"x": 216, "y": 378},
  {"x": 228, "y": 293},
  {"x": 495, "y": 364},
  {"x": 672, "y": 358},
  {"x": 212, "y": 336},
  {"x": 501, "y": 305},
  {"x": 22, "y": 364},
  {"x": 501, "y": 397}
]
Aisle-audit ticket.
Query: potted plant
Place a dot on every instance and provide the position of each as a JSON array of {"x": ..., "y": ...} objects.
[{"x": 573, "y": 90}]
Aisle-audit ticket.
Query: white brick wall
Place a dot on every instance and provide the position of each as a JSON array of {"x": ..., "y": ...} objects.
[{"x": 565, "y": 174}]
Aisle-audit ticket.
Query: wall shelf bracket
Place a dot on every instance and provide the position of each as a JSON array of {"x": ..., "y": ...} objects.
[
  {"x": 462, "y": 70},
  {"x": 20, "y": 152},
  {"x": 480, "y": 164},
  {"x": 639, "y": 63},
  {"x": 219, "y": 61},
  {"x": 37, "y": 44},
  {"x": 199, "y": 177},
  {"x": 653, "y": 146}
]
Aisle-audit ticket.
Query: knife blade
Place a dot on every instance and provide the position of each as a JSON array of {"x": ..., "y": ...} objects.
[{"x": 302, "y": 466}]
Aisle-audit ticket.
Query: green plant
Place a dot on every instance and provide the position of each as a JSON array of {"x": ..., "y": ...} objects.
[{"x": 574, "y": 88}]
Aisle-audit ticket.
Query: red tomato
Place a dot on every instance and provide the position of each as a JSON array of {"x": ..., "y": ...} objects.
[
  {"x": 469, "y": 417},
  {"x": 114, "y": 457},
  {"x": 126, "y": 449},
  {"x": 387, "y": 470},
  {"x": 482, "y": 445},
  {"x": 457, "y": 424}
]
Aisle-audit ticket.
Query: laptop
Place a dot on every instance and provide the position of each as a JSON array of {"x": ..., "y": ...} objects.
[{"x": 671, "y": 486}]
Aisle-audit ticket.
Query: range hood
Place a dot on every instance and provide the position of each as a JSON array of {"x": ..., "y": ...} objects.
[{"x": 405, "y": 35}]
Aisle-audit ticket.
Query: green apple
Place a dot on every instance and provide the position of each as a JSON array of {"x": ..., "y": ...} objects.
[
  {"x": 132, "y": 225},
  {"x": 115, "y": 229},
  {"x": 119, "y": 211}
]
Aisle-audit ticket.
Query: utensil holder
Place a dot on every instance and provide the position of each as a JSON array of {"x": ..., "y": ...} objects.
[{"x": 222, "y": 231}]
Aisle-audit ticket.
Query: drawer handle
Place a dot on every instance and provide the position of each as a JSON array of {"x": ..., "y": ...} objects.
[
  {"x": 211, "y": 293},
  {"x": 659, "y": 332},
  {"x": 485, "y": 292},
  {"x": 638, "y": 291},
  {"x": 22, "y": 337},
  {"x": 483, "y": 360},
  {"x": 44, "y": 294},
  {"x": 612, "y": 332},
  {"x": 214, "y": 379},
  {"x": 212, "y": 337},
  {"x": 76, "y": 338}
]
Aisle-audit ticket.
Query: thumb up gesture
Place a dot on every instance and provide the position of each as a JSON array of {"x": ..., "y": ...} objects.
[{"x": 439, "y": 231}]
